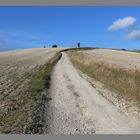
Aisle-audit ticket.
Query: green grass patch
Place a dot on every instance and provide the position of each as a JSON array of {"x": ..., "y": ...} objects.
[{"x": 40, "y": 79}]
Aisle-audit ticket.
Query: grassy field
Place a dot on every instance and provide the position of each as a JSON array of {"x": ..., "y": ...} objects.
[
  {"x": 125, "y": 82},
  {"x": 24, "y": 76}
]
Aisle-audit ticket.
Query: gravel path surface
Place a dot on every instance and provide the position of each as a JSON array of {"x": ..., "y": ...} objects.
[{"x": 75, "y": 107}]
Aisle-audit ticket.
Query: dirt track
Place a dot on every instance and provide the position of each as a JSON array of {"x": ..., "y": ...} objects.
[{"x": 75, "y": 107}]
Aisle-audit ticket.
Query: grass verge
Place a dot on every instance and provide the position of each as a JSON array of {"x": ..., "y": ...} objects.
[
  {"x": 40, "y": 82},
  {"x": 125, "y": 83}
]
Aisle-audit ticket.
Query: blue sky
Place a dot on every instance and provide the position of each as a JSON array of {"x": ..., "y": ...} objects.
[{"x": 30, "y": 27}]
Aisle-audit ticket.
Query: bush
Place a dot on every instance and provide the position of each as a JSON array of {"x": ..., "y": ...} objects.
[{"x": 54, "y": 46}]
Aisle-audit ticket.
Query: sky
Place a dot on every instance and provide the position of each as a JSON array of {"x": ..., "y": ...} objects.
[{"x": 92, "y": 26}]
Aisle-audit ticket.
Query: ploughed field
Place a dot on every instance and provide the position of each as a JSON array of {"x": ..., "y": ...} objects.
[{"x": 16, "y": 69}]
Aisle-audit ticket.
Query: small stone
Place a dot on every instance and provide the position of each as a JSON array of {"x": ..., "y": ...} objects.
[{"x": 137, "y": 112}]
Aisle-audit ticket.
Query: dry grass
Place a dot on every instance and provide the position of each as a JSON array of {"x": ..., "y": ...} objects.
[{"x": 125, "y": 83}]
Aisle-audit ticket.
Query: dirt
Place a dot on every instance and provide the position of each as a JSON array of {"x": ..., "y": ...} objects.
[{"x": 77, "y": 107}]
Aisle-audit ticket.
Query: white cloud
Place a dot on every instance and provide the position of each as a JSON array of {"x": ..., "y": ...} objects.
[
  {"x": 122, "y": 23},
  {"x": 134, "y": 35}
]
